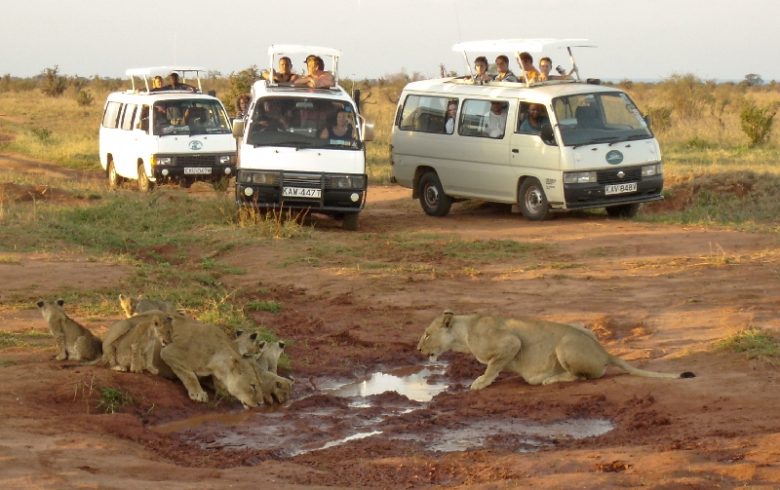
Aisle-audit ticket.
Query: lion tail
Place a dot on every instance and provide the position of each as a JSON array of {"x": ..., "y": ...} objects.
[{"x": 647, "y": 374}]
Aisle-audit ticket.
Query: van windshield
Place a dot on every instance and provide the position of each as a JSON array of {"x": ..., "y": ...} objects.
[
  {"x": 303, "y": 123},
  {"x": 599, "y": 118},
  {"x": 189, "y": 116}
]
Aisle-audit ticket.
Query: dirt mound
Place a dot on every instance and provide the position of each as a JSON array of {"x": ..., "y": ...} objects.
[{"x": 32, "y": 193}]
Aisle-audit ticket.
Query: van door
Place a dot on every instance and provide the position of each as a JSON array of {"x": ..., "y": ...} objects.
[
  {"x": 532, "y": 156},
  {"x": 482, "y": 161},
  {"x": 125, "y": 163}
]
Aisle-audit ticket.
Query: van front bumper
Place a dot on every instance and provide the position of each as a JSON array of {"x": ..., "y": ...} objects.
[
  {"x": 194, "y": 167},
  {"x": 593, "y": 195},
  {"x": 327, "y": 193}
]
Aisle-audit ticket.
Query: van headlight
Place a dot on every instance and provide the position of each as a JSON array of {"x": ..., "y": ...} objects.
[
  {"x": 158, "y": 160},
  {"x": 345, "y": 181},
  {"x": 225, "y": 159},
  {"x": 254, "y": 177},
  {"x": 580, "y": 178},
  {"x": 652, "y": 170}
]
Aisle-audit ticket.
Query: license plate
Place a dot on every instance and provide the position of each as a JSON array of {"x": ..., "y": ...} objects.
[
  {"x": 197, "y": 170},
  {"x": 302, "y": 192},
  {"x": 619, "y": 188}
]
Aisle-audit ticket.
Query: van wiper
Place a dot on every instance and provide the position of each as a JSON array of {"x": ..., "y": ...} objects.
[{"x": 601, "y": 139}]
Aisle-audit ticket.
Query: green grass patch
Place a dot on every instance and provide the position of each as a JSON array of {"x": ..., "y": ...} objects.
[
  {"x": 270, "y": 306},
  {"x": 754, "y": 343},
  {"x": 20, "y": 339},
  {"x": 112, "y": 400}
]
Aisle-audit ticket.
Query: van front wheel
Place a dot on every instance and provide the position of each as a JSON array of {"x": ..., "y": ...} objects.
[
  {"x": 144, "y": 184},
  {"x": 432, "y": 197},
  {"x": 533, "y": 202}
]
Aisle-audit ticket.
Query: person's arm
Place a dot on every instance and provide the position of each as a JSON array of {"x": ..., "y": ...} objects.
[{"x": 324, "y": 134}]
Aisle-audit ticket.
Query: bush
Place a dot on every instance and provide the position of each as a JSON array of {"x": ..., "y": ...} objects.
[
  {"x": 660, "y": 117},
  {"x": 84, "y": 98},
  {"x": 757, "y": 122},
  {"x": 53, "y": 84}
]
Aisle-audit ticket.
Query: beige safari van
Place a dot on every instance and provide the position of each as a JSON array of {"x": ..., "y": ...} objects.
[{"x": 559, "y": 144}]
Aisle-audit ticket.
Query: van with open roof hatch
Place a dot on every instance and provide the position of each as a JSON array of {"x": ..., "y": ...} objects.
[
  {"x": 153, "y": 134},
  {"x": 557, "y": 144},
  {"x": 303, "y": 147}
]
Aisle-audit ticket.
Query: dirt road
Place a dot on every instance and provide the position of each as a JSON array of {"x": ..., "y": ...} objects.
[{"x": 353, "y": 308}]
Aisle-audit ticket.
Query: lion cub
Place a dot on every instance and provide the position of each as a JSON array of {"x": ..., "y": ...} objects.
[
  {"x": 133, "y": 306},
  {"x": 73, "y": 340},
  {"x": 134, "y": 343},
  {"x": 266, "y": 354}
]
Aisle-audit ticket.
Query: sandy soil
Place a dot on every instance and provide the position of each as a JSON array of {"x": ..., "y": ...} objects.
[{"x": 657, "y": 295}]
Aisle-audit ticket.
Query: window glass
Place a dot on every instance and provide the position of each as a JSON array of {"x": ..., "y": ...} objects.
[
  {"x": 302, "y": 122},
  {"x": 599, "y": 118},
  {"x": 189, "y": 116},
  {"x": 111, "y": 115},
  {"x": 127, "y": 118},
  {"x": 424, "y": 113},
  {"x": 483, "y": 118}
]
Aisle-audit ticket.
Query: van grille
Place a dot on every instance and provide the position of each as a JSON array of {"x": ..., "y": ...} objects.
[
  {"x": 632, "y": 174},
  {"x": 302, "y": 180},
  {"x": 197, "y": 160}
]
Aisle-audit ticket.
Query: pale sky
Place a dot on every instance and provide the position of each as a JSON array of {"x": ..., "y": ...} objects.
[{"x": 636, "y": 39}]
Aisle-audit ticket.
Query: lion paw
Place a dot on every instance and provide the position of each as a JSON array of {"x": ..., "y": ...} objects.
[{"x": 201, "y": 396}]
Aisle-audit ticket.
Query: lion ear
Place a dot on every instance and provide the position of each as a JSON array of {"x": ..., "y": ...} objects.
[
  {"x": 447, "y": 318},
  {"x": 60, "y": 301},
  {"x": 253, "y": 336},
  {"x": 281, "y": 344},
  {"x": 239, "y": 332},
  {"x": 40, "y": 303},
  {"x": 261, "y": 344}
]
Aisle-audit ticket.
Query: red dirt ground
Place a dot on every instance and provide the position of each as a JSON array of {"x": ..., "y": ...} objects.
[{"x": 657, "y": 295}]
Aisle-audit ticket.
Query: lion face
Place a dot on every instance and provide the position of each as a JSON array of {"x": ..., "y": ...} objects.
[
  {"x": 52, "y": 311},
  {"x": 128, "y": 304},
  {"x": 437, "y": 338},
  {"x": 163, "y": 329},
  {"x": 242, "y": 382},
  {"x": 274, "y": 389}
]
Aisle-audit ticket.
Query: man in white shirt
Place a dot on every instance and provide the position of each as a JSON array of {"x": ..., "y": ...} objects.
[{"x": 496, "y": 124}]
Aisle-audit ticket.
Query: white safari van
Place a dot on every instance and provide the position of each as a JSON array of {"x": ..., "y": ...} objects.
[
  {"x": 290, "y": 157},
  {"x": 557, "y": 144},
  {"x": 177, "y": 134}
]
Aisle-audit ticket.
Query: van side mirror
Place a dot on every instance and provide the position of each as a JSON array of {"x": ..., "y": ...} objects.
[
  {"x": 368, "y": 131},
  {"x": 547, "y": 135},
  {"x": 238, "y": 128}
]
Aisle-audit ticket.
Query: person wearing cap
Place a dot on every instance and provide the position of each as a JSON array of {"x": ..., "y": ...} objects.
[{"x": 317, "y": 77}]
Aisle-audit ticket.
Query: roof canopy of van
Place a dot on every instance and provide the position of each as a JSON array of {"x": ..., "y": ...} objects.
[
  {"x": 146, "y": 74},
  {"x": 517, "y": 46}
]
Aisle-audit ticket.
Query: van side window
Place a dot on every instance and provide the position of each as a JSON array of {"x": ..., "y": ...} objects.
[
  {"x": 127, "y": 117},
  {"x": 423, "y": 113},
  {"x": 111, "y": 115},
  {"x": 483, "y": 118}
]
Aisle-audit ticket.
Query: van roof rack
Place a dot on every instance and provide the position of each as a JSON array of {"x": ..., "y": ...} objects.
[
  {"x": 145, "y": 74},
  {"x": 517, "y": 46},
  {"x": 276, "y": 51}
]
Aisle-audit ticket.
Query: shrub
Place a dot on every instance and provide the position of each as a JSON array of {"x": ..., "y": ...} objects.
[
  {"x": 660, "y": 117},
  {"x": 84, "y": 98},
  {"x": 41, "y": 134},
  {"x": 757, "y": 122},
  {"x": 53, "y": 84}
]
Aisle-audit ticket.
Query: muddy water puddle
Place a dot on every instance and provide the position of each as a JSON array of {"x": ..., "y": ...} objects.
[{"x": 388, "y": 405}]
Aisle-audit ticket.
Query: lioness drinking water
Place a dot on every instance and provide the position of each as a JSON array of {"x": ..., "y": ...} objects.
[{"x": 541, "y": 352}]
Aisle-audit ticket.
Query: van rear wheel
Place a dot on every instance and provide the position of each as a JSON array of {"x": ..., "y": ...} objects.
[
  {"x": 144, "y": 184},
  {"x": 532, "y": 200},
  {"x": 432, "y": 197}
]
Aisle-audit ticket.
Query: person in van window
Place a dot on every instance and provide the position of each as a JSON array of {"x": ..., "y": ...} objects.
[
  {"x": 545, "y": 67},
  {"x": 157, "y": 83},
  {"x": 496, "y": 119},
  {"x": 537, "y": 116},
  {"x": 530, "y": 73},
  {"x": 449, "y": 118},
  {"x": 502, "y": 65},
  {"x": 175, "y": 84},
  {"x": 317, "y": 77},
  {"x": 480, "y": 68},
  {"x": 284, "y": 74},
  {"x": 341, "y": 130},
  {"x": 161, "y": 120}
]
